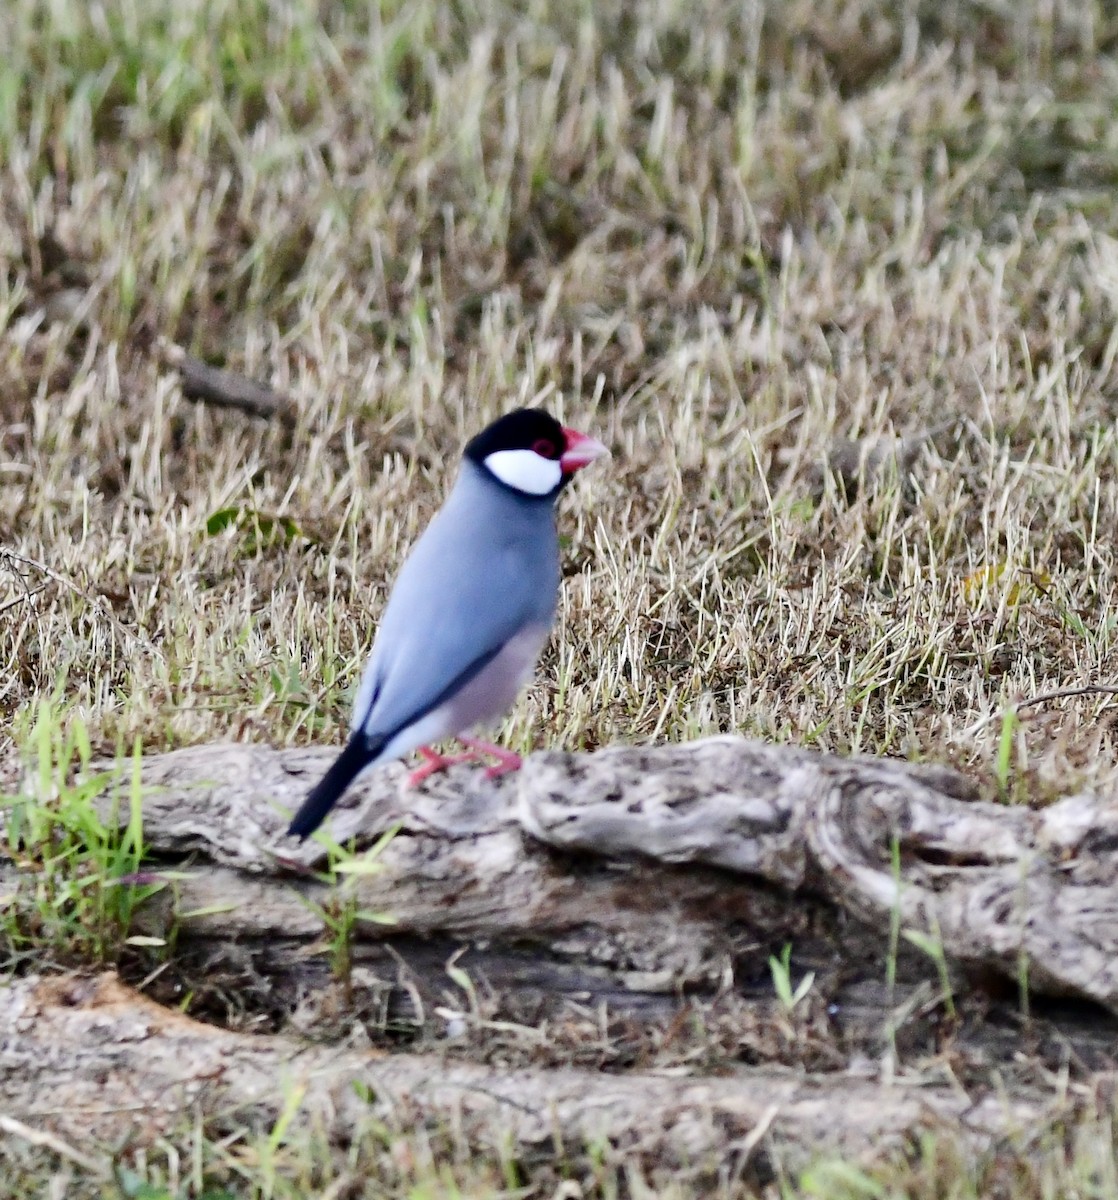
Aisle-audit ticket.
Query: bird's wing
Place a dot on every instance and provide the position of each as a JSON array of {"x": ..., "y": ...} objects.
[{"x": 463, "y": 593}]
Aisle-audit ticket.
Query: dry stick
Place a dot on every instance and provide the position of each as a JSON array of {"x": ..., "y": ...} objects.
[
  {"x": 753, "y": 1139},
  {"x": 1088, "y": 689},
  {"x": 227, "y": 389},
  {"x": 17, "y": 600},
  {"x": 35, "y": 565},
  {"x": 96, "y": 602}
]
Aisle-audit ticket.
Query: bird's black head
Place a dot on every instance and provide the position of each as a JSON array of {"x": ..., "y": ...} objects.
[{"x": 529, "y": 452}]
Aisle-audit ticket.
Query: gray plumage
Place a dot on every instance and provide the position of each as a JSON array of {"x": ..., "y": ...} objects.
[
  {"x": 471, "y": 608},
  {"x": 483, "y": 579}
]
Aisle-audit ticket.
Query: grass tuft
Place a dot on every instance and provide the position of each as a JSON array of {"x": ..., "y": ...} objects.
[{"x": 76, "y": 885}]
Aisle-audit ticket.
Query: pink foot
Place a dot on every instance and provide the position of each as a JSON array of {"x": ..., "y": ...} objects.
[
  {"x": 506, "y": 760},
  {"x": 435, "y": 762}
]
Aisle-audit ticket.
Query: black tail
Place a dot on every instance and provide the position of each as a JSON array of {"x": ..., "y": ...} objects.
[{"x": 356, "y": 756}]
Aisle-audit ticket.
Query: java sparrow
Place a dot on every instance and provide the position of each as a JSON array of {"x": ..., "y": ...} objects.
[{"x": 470, "y": 610}]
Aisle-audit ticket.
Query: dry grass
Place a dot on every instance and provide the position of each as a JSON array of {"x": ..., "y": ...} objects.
[{"x": 723, "y": 237}]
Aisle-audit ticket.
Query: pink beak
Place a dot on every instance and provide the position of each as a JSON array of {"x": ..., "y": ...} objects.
[{"x": 580, "y": 451}]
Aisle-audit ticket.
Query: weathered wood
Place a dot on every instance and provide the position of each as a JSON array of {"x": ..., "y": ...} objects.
[
  {"x": 460, "y": 871},
  {"x": 620, "y": 878},
  {"x": 89, "y": 1060},
  {"x": 681, "y": 854},
  {"x": 1000, "y": 885}
]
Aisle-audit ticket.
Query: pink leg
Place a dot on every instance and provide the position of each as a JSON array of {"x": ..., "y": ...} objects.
[
  {"x": 506, "y": 759},
  {"x": 435, "y": 762}
]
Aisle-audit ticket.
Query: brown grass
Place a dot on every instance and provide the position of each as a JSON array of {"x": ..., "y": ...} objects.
[{"x": 726, "y": 238}]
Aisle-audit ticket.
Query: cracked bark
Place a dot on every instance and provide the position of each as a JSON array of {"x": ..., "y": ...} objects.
[{"x": 671, "y": 858}]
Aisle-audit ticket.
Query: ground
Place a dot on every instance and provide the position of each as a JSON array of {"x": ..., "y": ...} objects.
[{"x": 737, "y": 242}]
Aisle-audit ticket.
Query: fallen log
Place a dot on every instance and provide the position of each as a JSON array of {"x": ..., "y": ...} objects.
[
  {"x": 669, "y": 863},
  {"x": 87, "y": 1062},
  {"x": 634, "y": 881}
]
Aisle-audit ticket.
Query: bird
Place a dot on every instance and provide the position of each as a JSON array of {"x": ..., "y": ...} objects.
[{"x": 469, "y": 612}]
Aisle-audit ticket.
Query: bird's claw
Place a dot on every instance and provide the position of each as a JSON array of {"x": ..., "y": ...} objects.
[{"x": 507, "y": 760}]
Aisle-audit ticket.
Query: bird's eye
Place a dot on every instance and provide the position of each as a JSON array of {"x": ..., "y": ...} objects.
[{"x": 544, "y": 448}]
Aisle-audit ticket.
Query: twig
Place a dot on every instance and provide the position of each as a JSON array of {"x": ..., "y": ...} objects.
[
  {"x": 16, "y": 600},
  {"x": 96, "y": 602},
  {"x": 227, "y": 389},
  {"x": 49, "y": 1141},
  {"x": 35, "y": 565},
  {"x": 753, "y": 1138},
  {"x": 1088, "y": 689}
]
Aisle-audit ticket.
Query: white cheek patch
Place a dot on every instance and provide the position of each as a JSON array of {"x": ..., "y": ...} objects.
[{"x": 525, "y": 470}]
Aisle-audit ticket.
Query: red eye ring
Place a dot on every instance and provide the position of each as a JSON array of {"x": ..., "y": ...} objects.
[{"x": 544, "y": 448}]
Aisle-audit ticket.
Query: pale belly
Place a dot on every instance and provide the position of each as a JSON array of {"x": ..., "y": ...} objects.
[{"x": 483, "y": 701}]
